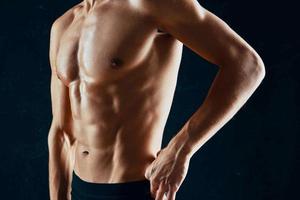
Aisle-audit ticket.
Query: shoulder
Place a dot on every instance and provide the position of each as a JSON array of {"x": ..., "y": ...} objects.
[
  {"x": 173, "y": 11},
  {"x": 169, "y": 4},
  {"x": 65, "y": 19}
]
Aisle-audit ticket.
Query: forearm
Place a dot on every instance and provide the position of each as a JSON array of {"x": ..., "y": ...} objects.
[
  {"x": 60, "y": 164},
  {"x": 230, "y": 89}
]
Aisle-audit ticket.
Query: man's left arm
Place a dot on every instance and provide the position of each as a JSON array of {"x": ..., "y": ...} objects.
[{"x": 241, "y": 70}]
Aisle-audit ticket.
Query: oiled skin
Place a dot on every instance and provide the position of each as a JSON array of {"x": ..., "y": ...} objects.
[{"x": 120, "y": 74}]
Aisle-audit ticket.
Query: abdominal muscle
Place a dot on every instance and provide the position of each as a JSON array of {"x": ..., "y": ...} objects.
[
  {"x": 112, "y": 164},
  {"x": 118, "y": 129}
]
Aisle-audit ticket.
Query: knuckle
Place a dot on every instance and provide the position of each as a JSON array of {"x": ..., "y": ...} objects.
[
  {"x": 155, "y": 180},
  {"x": 173, "y": 186}
]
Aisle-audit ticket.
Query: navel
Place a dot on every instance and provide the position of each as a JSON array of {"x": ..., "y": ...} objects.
[
  {"x": 116, "y": 63},
  {"x": 58, "y": 76},
  {"x": 85, "y": 153},
  {"x": 162, "y": 32}
]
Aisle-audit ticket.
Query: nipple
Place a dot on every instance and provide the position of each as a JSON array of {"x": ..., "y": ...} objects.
[{"x": 116, "y": 63}]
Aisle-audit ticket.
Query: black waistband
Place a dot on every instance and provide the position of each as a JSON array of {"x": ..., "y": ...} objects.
[{"x": 140, "y": 187}]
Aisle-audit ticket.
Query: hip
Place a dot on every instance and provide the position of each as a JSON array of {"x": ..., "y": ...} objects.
[{"x": 129, "y": 190}]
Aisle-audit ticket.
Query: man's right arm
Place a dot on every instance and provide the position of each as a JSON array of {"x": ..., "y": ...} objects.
[{"x": 61, "y": 142}]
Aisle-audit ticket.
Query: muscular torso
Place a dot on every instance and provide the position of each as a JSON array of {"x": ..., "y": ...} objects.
[{"x": 121, "y": 74}]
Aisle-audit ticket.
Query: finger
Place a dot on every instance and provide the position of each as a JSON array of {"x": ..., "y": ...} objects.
[
  {"x": 171, "y": 193},
  {"x": 158, "y": 153},
  {"x": 148, "y": 171},
  {"x": 154, "y": 186},
  {"x": 161, "y": 190}
]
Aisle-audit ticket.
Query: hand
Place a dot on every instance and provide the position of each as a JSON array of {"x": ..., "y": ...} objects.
[{"x": 166, "y": 173}]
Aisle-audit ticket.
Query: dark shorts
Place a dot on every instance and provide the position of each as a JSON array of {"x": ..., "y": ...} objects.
[{"x": 133, "y": 190}]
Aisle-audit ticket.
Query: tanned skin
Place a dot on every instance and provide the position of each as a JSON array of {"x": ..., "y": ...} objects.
[{"x": 114, "y": 68}]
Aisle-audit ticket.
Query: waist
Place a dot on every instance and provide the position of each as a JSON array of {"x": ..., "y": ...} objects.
[
  {"x": 82, "y": 188},
  {"x": 114, "y": 164}
]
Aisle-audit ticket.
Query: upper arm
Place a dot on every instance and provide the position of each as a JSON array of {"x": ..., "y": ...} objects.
[
  {"x": 200, "y": 30},
  {"x": 60, "y": 102}
]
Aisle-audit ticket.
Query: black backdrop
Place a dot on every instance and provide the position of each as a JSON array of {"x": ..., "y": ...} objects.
[{"x": 254, "y": 156}]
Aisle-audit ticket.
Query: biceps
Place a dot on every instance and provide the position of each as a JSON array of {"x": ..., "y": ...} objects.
[
  {"x": 61, "y": 111},
  {"x": 202, "y": 31}
]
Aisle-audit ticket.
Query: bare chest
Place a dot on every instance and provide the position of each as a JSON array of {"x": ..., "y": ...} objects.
[{"x": 103, "y": 45}]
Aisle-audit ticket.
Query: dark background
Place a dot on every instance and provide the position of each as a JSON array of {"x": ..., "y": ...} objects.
[{"x": 254, "y": 156}]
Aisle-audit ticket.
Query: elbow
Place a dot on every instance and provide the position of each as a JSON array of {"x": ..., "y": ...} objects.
[
  {"x": 259, "y": 66},
  {"x": 55, "y": 135},
  {"x": 59, "y": 134},
  {"x": 253, "y": 66},
  {"x": 245, "y": 62}
]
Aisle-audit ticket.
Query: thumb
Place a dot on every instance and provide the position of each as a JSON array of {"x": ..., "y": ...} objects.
[
  {"x": 158, "y": 153},
  {"x": 148, "y": 172},
  {"x": 149, "y": 168}
]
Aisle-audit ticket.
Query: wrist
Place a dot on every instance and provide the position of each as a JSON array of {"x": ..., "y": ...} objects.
[
  {"x": 185, "y": 152},
  {"x": 181, "y": 145}
]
